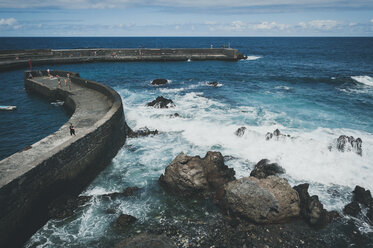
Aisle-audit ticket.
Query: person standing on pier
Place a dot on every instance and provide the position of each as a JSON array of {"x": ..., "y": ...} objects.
[{"x": 72, "y": 130}]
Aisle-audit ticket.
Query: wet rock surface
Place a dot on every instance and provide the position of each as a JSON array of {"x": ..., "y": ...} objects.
[
  {"x": 161, "y": 102},
  {"x": 145, "y": 240},
  {"x": 214, "y": 84},
  {"x": 269, "y": 200},
  {"x": 240, "y": 131},
  {"x": 346, "y": 143},
  {"x": 264, "y": 169},
  {"x": 124, "y": 221},
  {"x": 159, "y": 81},
  {"x": 362, "y": 196},
  {"x": 312, "y": 210},
  {"x": 174, "y": 115},
  {"x": 352, "y": 209},
  {"x": 196, "y": 176},
  {"x": 276, "y": 135},
  {"x": 142, "y": 132}
]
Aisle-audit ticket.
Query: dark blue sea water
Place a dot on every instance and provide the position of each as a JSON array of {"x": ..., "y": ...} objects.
[{"x": 313, "y": 89}]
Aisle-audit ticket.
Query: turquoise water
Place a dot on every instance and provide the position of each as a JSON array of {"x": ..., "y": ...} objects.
[{"x": 313, "y": 89}]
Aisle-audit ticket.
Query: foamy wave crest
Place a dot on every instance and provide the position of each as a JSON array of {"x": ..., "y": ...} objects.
[
  {"x": 252, "y": 57},
  {"x": 282, "y": 87},
  {"x": 363, "y": 80}
]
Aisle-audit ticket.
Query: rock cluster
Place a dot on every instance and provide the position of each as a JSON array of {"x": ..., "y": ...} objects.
[
  {"x": 161, "y": 102},
  {"x": 311, "y": 209},
  {"x": 346, "y": 143},
  {"x": 276, "y": 135},
  {"x": 264, "y": 169},
  {"x": 196, "y": 176},
  {"x": 159, "y": 81},
  {"x": 142, "y": 132}
]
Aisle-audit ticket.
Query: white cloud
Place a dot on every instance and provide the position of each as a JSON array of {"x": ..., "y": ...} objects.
[
  {"x": 321, "y": 24},
  {"x": 269, "y": 26},
  {"x": 371, "y": 20},
  {"x": 9, "y": 22}
]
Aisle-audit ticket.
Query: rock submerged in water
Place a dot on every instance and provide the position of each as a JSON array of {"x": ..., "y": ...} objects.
[
  {"x": 264, "y": 169},
  {"x": 276, "y": 134},
  {"x": 269, "y": 200},
  {"x": 312, "y": 209},
  {"x": 145, "y": 240},
  {"x": 346, "y": 143},
  {"x": 174, "y": 115},
  {"x": 142, "y": 132},
  {"x": 196, "y": 176},
  {"x": 124, "y": 221},
  {"x": 161, "y": 102},
  {"x": 214, "y": 84},
  {"x": 65, "y": 207},
  {"x": 240, "y": 131},
  {"x": 159, "y": 81}
]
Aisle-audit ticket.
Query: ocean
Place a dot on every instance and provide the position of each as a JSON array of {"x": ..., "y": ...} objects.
[{"x": 313, "y": 89}]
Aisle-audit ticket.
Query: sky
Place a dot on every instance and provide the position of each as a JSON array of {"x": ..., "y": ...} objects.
[{"x": 186, "y": 18}]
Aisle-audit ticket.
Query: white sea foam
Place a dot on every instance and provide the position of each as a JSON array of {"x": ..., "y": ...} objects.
[
  {"x": 253, "y": 57},
  {"x": 210, "y": 125},
  {"x": 282, "y": 87},
  {"x": 363, "y": 80}
]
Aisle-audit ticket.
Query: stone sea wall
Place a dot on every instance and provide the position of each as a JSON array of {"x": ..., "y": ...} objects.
[
  {"x": 11, "y": 59},
  {"x": 27, "y": 186}
]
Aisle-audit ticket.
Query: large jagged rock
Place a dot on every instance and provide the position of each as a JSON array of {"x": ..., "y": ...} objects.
[
  {"x": 145, "y": 240},
  {"x": 346, "y": 143},
  {"x": 161, "y": 102},
  {"x": 352, "y": 209},
  {"x": 196, "y": 176},
  {"x": 312, "y": 209},
  {"x": 264, "y": 169},
  {"x": 362, "y": 196},
  {"x": 159, "y": 81},
  {"x": 269, "y": 200},
  {"x": 240, "y": 131}
]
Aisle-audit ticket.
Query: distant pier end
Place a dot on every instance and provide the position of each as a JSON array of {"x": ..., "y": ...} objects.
[{"x": 12, "y": 59}]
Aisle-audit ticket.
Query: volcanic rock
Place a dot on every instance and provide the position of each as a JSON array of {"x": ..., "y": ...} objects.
[
  {"x": 240, "y": 132},
  {"x": 142, "y": 132},
  {"x": 123, "y": 221},
  {"x": 159, "y": 81},
  {"x": 348, "y": 143},
  {"x": 196, "y": 176},
  {"x": 269, "y": 200},
  {"x": 276, "y": 134},
  {"x": 352, "y": 209},
  {"x": 214, "y": 84},
  {"x": 264, "y": 169},
  {"x": 362, "y": 196},
  {"x": 312, "y": 209},
  {"x": 161, "y": 102},
  {"x": 145, "y": 240}
]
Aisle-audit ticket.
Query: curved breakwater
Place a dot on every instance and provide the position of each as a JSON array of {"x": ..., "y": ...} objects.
[{"x": 61, "y": 163}]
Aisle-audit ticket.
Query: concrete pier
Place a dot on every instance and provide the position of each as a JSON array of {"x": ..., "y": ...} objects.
[
  {"x": 60, "y": 163},
  {"x": 11, "y": 59}
]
